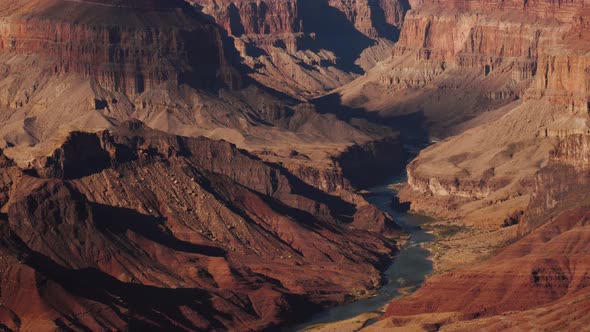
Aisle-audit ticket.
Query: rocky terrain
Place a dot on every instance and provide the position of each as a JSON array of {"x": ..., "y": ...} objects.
[
  {"x": 149, "y": 183},
  {"x": 287, "y": 45},
  {"x": 514, "y": 74},
  {"x": 136, "y": 228},
  {"x": 540, "y": 280},
  {"x": 71, "y": 65},
  {"x": 194, "y": 165},
  {"x": 509, "y": 79}
]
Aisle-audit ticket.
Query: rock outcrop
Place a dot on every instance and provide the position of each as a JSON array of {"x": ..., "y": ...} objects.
[
  {"x": 510, "y": 85},
  {"x": 544, "y": 270},
  {"x": 130, "y": 53},
  {"x": 287, "y": 45},
  {"x": 134, "y": 228}
]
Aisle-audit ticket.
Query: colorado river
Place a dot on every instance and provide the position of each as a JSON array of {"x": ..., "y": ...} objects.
[{"x": 407, "y": 271}]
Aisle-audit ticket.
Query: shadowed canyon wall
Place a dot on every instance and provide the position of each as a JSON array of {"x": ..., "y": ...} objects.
[{"x": 288, "y": 45}]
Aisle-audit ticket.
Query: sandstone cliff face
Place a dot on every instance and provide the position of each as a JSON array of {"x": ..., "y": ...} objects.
[
  {"x": 251, "y": 17},
  {"x": 198, "y": 224},
  {"x": 373, "y": 18},
  {"x": 130, "y": 53},
  {"x": 240, "y": 17},
  {"x": 519, "y": 80},
  {"x": 561, "y": 185},
  {"x": 563, "y": 79},
  {"x": 455, "y": 62},
  {"x": 532, "y": 157},
  {"x": 504, "y": 156},
  {"x": 548, "y": 262},
  {"x": 288, "y": 46}
]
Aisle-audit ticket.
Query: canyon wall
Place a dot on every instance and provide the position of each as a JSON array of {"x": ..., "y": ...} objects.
[
  {"x": 544, "y": 270},
  {"x": 148, "y": 225},
  {"x": 287, "y": 45},
  {"x": 240, "y": 17},
  {"x": 457, "y": 60},
  {"x": 526, "y": 165},
  {"x": 520, "y": 83},
  {"x": 255, "y": 17},
  {"x": 129, "y": 53}
]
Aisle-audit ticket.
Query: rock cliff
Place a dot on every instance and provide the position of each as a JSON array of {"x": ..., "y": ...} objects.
[
  {"x": 287, "y": 45},
  {"x": 511, "y": 85},
  {"x": 544, "y": 271},
  {"x": 523, "y": 162},
  {"x": 130, "y": 52},
  {"x": 172, "y": 232}
]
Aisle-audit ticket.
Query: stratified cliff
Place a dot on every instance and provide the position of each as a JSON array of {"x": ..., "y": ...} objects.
[
  {"x": 130, "y": 52},
  {"x": 540, "y": 279},
  {"x": 514, "y": 72},
  {"x": 527, "y": 164},
  {"x": 138, "y": 229},
  {"x": 287, "y": 44}
]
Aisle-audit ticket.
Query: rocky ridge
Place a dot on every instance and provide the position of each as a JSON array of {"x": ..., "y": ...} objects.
[
  {"x": 174, "y": 232},
  {"x": 543, "y": 272}
]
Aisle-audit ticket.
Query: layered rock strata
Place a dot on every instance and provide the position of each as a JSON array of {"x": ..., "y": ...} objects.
[
  {"x": 544, "y": 272},
  {"x": 287, "y": 45},
  {"x": 166, "y": 232},
  {"x": 518, "y": 81},
  {"x": 129, "y": 53}
]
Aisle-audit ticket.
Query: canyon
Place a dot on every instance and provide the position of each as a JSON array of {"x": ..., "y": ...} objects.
[
  {"x": 288, "y": 46},
  {"x": 149, "y": 183},
  {"x": 135, "y": 226},
  {"x": 502, "y": 86},
  {"x": 198, "y": 165}
]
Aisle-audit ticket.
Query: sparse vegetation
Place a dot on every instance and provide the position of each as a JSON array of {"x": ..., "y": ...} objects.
[{"x": 446, "y": 231}]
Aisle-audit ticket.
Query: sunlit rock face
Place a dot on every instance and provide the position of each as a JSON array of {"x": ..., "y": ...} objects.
[
  {"x": 532, "y": 157},
  {"x": 127, "y": 46}
]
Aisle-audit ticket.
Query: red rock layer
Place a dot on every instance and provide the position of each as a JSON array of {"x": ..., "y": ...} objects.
[
  {"x": 564, "y": 10},
  {"x": 256, "y": 17},
  {"x": 125, "y": 48},
  {"x": 285, "y": 16},
  {"x": 371, "y": 17},
  {"x": 288, "y": 46},
  {"x": 153, "y": 231},
  {"x": 544, "y": 269}
]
